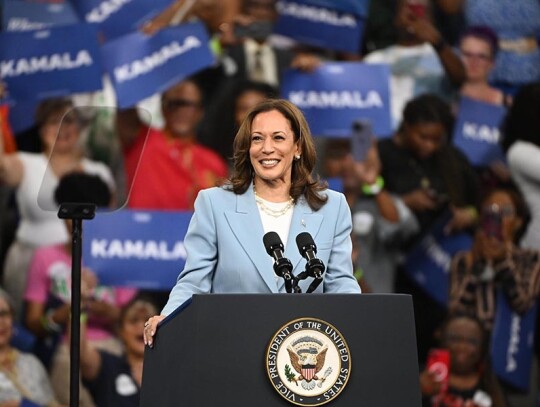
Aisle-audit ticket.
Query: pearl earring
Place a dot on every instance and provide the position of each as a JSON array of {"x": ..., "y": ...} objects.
[{"x": 297, "y": 157}]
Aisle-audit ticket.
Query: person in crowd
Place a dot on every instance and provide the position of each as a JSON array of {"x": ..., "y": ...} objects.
[
  {"x": 271, "y": 189},
  {"x": 115, "y": 380},
  {"x": 521, "y": 141},
  {"x": 421, "y": 61},
  {"x": 381, "y": 221},
  {"x": 22, "y": 376},
  {"x": 470, "y": 380},
  {"x": 496, "y": 262},
  {"x": 434, "y": 180},
  {"x": 171, "y": 166},
  {"x": 48, "y": 292},
  {"x": 478, "y": 48},
  {"x": 252, "y": 56},
  {"x": 517, "y": 24},
  {"x": 35, "y": 177},
  {"x": 237, "y": 98}
]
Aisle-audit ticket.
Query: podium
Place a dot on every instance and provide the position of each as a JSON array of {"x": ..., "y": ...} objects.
[{"x": 215, "y": 350}]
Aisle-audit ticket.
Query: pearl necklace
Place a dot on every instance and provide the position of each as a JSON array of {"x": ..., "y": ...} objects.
[{"x": 270, "y": 211}]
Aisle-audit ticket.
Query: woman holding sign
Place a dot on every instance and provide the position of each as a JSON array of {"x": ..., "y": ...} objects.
[
  {"x": 271, "y": 189},
  {"x": 34, "y": 177},
  {"x": 436, "y": 182}
]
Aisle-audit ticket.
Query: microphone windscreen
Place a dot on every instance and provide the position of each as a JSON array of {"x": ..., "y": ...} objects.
[
  {"x": 303, "y": 240},
  {"x": 271, "y": 240}
]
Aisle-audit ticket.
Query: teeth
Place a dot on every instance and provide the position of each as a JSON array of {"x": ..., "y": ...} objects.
[{"x": 269, "y": 162}]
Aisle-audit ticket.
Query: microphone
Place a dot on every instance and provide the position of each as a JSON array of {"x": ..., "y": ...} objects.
[
  {"x": 314, "y": 266},
  {"x": 282, "y": 266}
]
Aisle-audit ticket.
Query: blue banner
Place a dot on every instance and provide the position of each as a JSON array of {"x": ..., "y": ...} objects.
[
  {"x": 115, "y": 18},
  {"x": 321, "y": 24},
  {"x": 21, "y": 115},
  {"x": 512, "y": 342},
  {"x": 136, "y": 248},
  {"x": 140, "y": 65},
  {"x": 339, "y": 93},
  {"x": 20, "y": 15},
  {"x": 428, "y": 263},
  {"x": 48, "y": 63},
  {"x": 358, "y": 7},
  {"x": 477, "y": 133}
]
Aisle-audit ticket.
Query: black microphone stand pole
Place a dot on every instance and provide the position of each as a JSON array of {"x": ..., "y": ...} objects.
[{"x": 76, "y": 212}]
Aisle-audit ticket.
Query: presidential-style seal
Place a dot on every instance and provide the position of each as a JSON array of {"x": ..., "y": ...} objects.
[{"x": 308, "y": 362}]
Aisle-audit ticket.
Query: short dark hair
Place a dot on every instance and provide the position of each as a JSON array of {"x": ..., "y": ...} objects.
[
  {"x": 80, "y": 187},
  {"x": 484, "y": 33},
  {"x": 48, "y": 107},
  {"x": 429, "y": 108}
]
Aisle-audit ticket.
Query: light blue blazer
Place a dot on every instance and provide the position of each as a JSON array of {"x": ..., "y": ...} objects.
[{"x": 226, "y": 254}]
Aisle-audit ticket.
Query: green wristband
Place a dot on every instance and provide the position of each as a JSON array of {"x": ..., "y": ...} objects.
[{"x": 375, "y": 188}]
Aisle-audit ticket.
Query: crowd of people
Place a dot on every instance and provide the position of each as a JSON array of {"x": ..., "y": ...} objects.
[{"x": 225, "y": 126}]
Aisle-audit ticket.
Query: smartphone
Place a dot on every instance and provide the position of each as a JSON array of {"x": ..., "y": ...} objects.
[
  {"x": 361, "y": 139},
  {"x": 438, "y": 362},
  {"x": 491, "y": 224},
  {"x": 417, "y": 8}
]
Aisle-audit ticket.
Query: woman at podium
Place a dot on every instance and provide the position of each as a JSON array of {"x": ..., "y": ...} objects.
[{"x": 271, "y": 189}]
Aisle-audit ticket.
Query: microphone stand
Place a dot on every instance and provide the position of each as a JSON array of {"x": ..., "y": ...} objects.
[{"x": 77, "y": 212}]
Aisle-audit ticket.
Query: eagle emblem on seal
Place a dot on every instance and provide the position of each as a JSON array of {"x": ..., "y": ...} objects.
[{"x": 307, "y": 355}]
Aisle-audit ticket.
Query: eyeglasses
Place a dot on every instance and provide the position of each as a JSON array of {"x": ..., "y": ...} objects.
[
  {"x": 475, "y": 55},
  {"x": 173, "y": 104},
  {"x": 494, "y": 209}
]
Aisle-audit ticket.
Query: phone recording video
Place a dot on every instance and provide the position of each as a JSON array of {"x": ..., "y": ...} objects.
[
  {"x": 438, "y": 363},
  {"x": 491, "y": 224},
  {"x": 361, "y": 139}
]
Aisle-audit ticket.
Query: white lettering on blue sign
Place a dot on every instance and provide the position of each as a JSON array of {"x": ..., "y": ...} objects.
[
  {"x": 24, "y": 24},
  {"x": 436, "y": 253},
  {"x": 316, "y": 14},
  {"x": 142, "y": 66},
  {"x": 481, "y": 132},
  {"x": 45, "y": 63},
  {"x": 137, "y": 249},
  {"x": 104, "y": 10},
  {"x": 336, "y": 99},
  {"x": 513, "y": 343}
]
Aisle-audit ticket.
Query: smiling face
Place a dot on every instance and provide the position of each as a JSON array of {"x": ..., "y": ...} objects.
[
  {"x": 463, "y": 337},
  {"x": 132, "y": 326},
  {"x": 477, "y": 57},
  {"x": 272, "y": 147},
  {"x": 60, "y": 131},
  {"x": 182, "y": 109}
]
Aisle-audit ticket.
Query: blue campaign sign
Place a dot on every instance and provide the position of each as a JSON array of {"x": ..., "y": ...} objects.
[
  {"x": 339, "y": 93},
  {"x": 20, "y": 15},
  {"x": 358, "y": 7},
  {"x": 143, "y": 249},
  {"x": 116, "y": 18},
  {"x": 320, "y": 24},
  {"x": 477, "y": 132},
  {"x": 47, "y": 63},
  {"x": 140, "y": 65},
  {"x": 428, "y": 264},
  {"x": 512, "y": 343}
]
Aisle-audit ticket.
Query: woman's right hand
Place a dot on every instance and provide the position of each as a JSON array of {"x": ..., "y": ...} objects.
[{"x": 150, "y": 329}]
